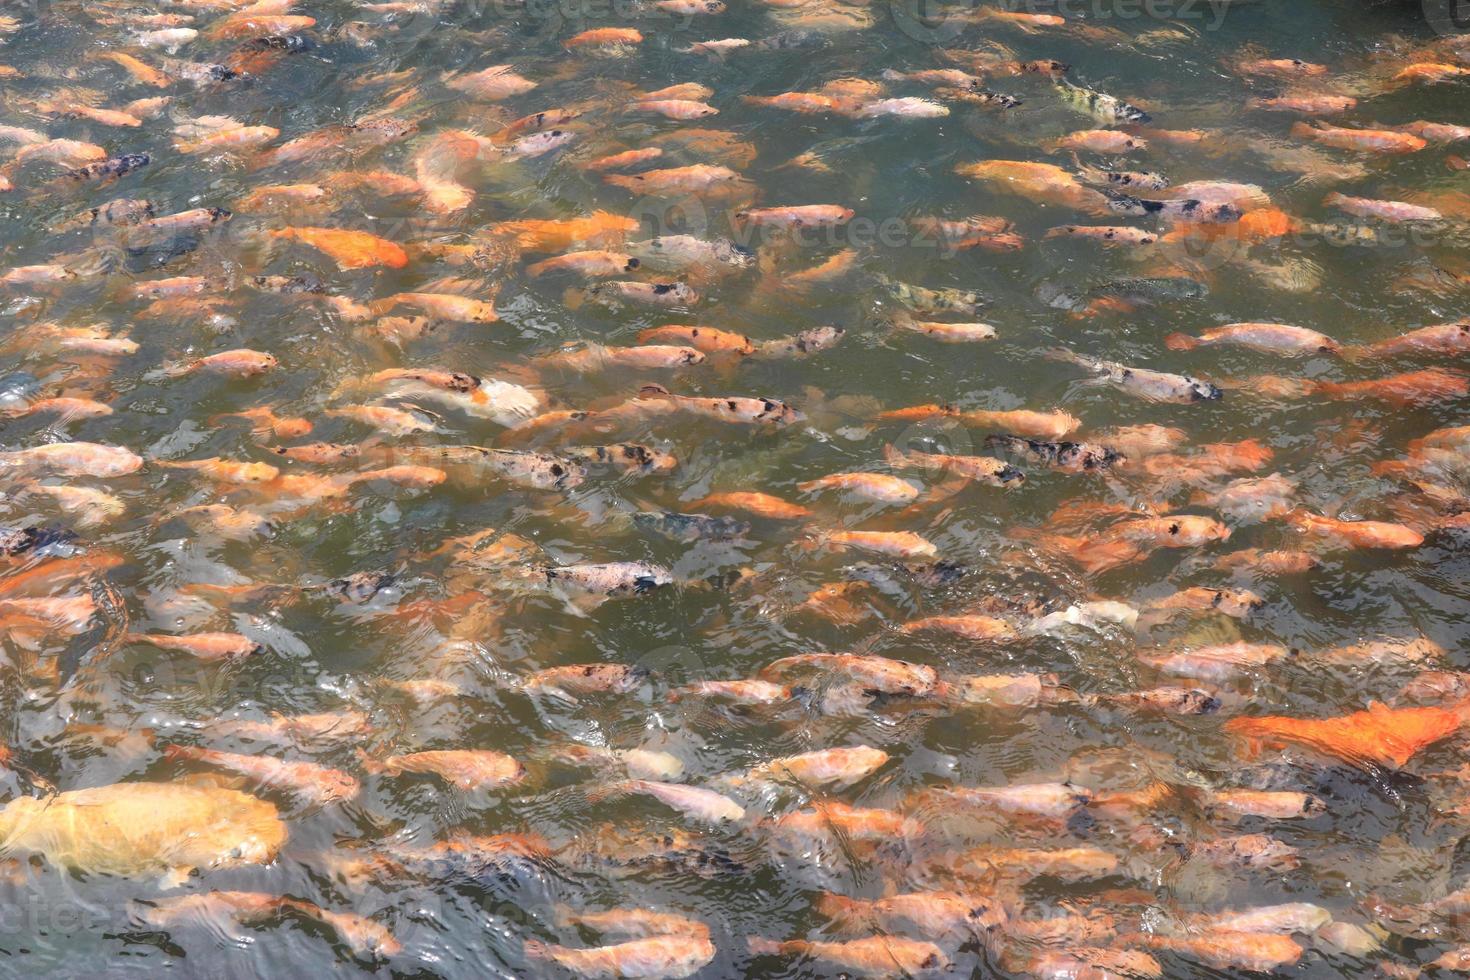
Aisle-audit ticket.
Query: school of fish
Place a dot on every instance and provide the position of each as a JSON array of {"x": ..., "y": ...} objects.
[{"x": 475, "y": 498}]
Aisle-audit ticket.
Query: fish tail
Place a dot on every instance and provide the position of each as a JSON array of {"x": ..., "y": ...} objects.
[
  {"x": 535, "y": 949},
  {"x": 605, "y": 791},
  {"x": 69, "y": 416},
  {"x": 1390, "y": 467},
  {"x": 1358, "y": 352},
  {"x": 895, "y": 321},
  {"x": 1403, "y": 915},
  {"x": 1253, "y": 453},
  {"x": 1066, "y": 356},
  {"x": 842, "y": 910},
  {"x": 894, "y": 456},
  {"x": 1180, "y": 341},
  {"x": 997, "y": 441},
  {"x": 1302, "y": 130},
  {"x": 813, "y": 540},
  {"x": 760, "y": 946},
  {"x": 172, "y": 369},
  {"x": 180, "y": 753},
  {"x": 1300, "y": 519},
  {"x": 370, "y": 765}
]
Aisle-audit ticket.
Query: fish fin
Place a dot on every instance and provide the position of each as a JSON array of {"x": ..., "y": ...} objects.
[
  {"x": 177, "y": 753},
  {"x": 653, "y": 390},
  {"x": 1067, "y": 357},
  {"x": 605, "y": 791},
  {"x": 585, "y": 605},
  {"x": 1253, "y": 454},
  {"x": 453, "y": 285},
  {"x": 214, "y": 780},
  {"x": 1412, "y": 916},
  {"x": 1100, "y": 555},
  {"x": 175, "y": 877},
  {"x": 168, "y": 369},
  {"x": 843, "y": 912}
]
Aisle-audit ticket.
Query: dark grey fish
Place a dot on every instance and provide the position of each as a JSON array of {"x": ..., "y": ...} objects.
[
  {"x": 19, "y": 541},
  {"x": 289, "y": 43},
  {"x": 629, "y": 457},
  {"x": 688, "y": 528},
  {"x": 801, "y": 344},
  {"x": 1172, "y": 700},
  {"x": 543, "y": 471},
  {"x": 1099, "y": 105},
  {"x": 1077, "y": 457},
  {"x": 611, "y": 580},
  {"x": 1150, "y": 385},
  {"x": 112, "y": 169},
  {"x": 794, "y": 40},
  {"x": 359, "y": 586},
  {"x": 289, "y": 285},
  {"x": 123, "y": 211},
  {"x": 943, "y": 300},
  {"x": 1190, "y": 209},
  {"x": 930, "y": 575},
  {"x": 1131, "y": 179},
  {"x": 1160, "y": 289}
]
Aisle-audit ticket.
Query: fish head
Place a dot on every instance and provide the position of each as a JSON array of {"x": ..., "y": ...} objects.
[
  {"x": 1204, "y": 391},
  {"x": 1197, "y": 702}
]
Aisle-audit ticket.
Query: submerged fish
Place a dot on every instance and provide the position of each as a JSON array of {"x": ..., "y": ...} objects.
[
  {"x": 1143, "y": 383},
  {"x": 142, "y": 829}
]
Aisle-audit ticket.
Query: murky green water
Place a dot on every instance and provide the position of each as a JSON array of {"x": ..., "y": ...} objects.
[{"x": 482, "y": 629}]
